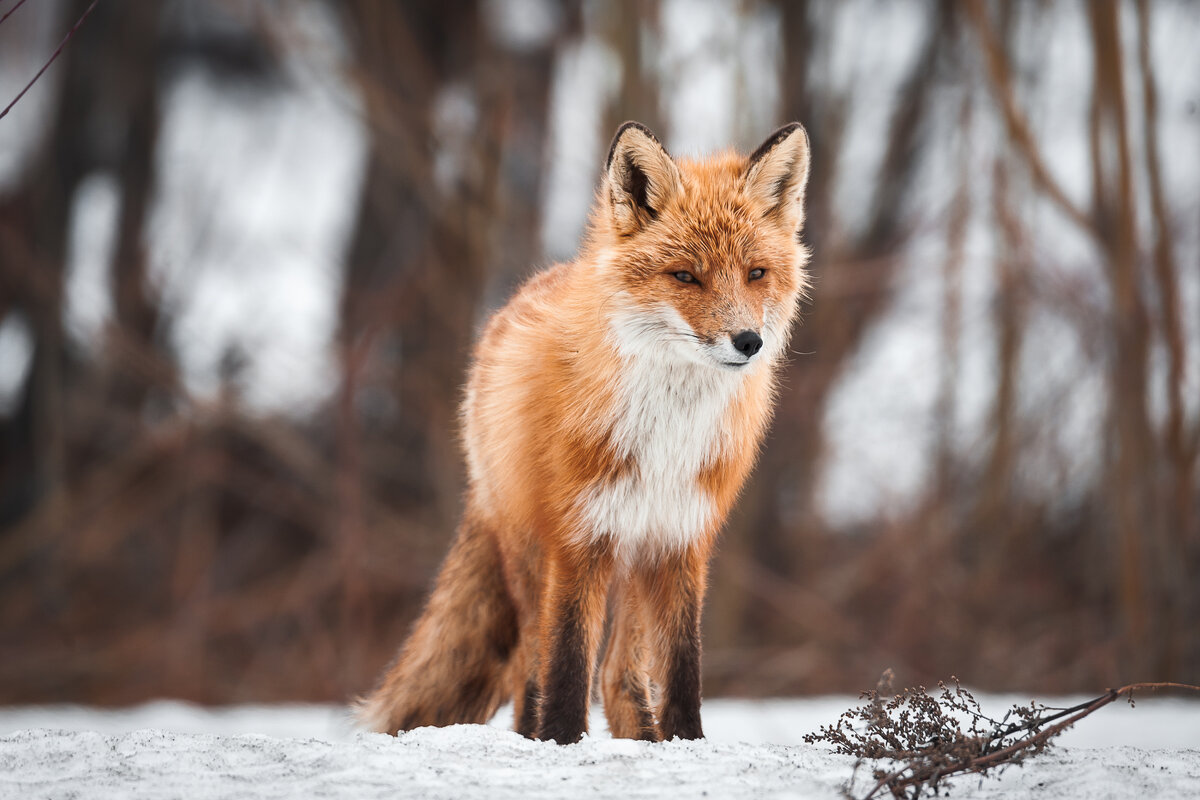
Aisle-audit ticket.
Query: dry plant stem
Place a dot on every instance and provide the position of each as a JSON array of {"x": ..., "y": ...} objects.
[{"x": 897, "y": 781}]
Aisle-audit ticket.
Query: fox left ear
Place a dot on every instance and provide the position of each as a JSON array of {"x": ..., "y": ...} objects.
[
  {"x": 777, "y": 174},
  {"x": 640, "y": 178}
]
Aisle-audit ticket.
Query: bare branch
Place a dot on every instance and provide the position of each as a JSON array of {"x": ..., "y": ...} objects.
[
  {"x": 46, "y": 66},
  {"x": 10, "y": 12}
]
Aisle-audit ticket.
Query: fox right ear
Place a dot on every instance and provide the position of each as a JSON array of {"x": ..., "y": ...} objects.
[
  {"x": 640, "y": 178},
  {"x": 777, "y": 173}
]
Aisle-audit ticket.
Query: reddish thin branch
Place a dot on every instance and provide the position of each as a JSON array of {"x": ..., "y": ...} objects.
[
  {"x": 9, "y": 13},
  {"x": 46, "y": 66}
]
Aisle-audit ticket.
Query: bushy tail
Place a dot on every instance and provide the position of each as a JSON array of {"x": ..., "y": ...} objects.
[{"x": 454, "y": 666}]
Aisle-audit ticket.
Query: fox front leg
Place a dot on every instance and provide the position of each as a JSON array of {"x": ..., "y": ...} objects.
[
  {"x": 572, "y": 614},
  {"x": 673, "y": 592}
]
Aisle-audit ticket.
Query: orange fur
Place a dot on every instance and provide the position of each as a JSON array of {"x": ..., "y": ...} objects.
[{"x": 613, "y": 411}]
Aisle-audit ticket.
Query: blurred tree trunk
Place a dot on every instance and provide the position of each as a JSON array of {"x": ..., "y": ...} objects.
[
  {"x": 452, "y": 199},
  {"x": 990, "y": 529},
  {"x": 947, "y": 481},
  {"x": 105, "y": 118},
  {"x": 624, "y": 24},
  {"x": 1115, "y": 222},
  {"x": 853, "y": 279},
  {"x": 425, "y": 238},
  {"x": 407, "y": 297},
  {"x": 130, "y": 77},
  {"x": 1179, "y": 553},
  {"x": 515, "y": 89},
  {"x": 777, "y": 522},
  {"x": 395, "y": 296},
  {"x": 1131, "y": 446}
]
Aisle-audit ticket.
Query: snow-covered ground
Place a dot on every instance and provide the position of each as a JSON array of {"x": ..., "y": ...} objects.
[{"x": 754, "y": 749}]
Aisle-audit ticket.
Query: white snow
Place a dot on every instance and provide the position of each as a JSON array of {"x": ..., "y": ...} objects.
[{"x": 169, "y": 749}]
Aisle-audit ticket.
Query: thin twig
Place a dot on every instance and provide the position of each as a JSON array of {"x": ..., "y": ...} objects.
[
  {"x": 46, "y": 66},
  {"x": 9, "y": 13}
]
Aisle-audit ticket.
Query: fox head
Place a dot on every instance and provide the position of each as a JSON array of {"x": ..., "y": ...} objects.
[{"x": 705, "y": 254}]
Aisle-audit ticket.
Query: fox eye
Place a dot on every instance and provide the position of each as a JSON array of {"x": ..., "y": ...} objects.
[
  {"x": 685, "y": 277},
  {"x": 755, "y": 274}
]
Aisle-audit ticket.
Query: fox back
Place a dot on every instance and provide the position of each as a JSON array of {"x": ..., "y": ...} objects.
[{"x": 613, "y": 411}]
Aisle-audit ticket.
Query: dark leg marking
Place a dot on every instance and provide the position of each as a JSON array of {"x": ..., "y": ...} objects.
[
  {"x": 527, "y": 724},
  {"x": 565, "y": 694},
  {"x": 680, "y": 715}
]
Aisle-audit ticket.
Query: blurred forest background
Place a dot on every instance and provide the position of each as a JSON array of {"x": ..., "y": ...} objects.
[{"x": 245, "y": 246}]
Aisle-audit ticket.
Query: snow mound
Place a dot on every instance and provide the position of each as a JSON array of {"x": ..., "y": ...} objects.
[
  {"x": 463, "y": 761},
  {"x": 211, "y": 754}
]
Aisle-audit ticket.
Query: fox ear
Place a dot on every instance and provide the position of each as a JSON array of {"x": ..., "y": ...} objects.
[
  {"x": 640, "y": 178},
  {"x": 777, "y": 173}
]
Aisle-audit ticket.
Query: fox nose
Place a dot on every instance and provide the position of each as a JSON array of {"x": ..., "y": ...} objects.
[{"x": 747, "y": 343}]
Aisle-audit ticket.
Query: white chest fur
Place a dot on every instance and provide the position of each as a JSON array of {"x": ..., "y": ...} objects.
[{"x": 668, "y": 425}]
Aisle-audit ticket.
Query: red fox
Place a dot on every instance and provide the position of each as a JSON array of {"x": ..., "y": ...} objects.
[{"x": 612, "y": 413}]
